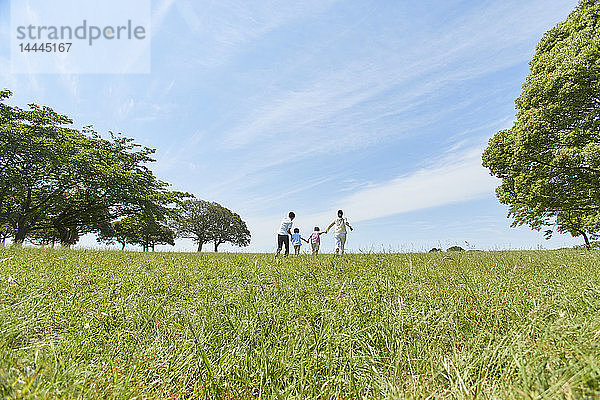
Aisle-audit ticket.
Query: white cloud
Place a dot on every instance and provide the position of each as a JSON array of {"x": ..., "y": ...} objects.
[{"x": 456, "y": 181}]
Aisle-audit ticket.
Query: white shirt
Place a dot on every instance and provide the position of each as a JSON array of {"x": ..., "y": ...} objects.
[
  {"x": 340, "y": 225},
  {"x": 286, "y": 224}
]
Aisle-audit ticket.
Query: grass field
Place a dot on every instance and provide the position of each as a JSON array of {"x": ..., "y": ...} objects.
[{"x": 97, "y": 324}]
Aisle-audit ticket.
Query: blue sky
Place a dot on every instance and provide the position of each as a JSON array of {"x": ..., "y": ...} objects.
[{"x": 381, "y": 108}]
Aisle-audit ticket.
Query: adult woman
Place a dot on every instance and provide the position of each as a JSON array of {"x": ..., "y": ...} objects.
[{"x": 339, "y": 231}]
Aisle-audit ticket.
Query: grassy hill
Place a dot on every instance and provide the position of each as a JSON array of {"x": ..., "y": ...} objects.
[{"x": 463, "y": 325}]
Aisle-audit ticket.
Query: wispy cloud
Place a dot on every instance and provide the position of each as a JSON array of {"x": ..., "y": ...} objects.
[
  {"x": 228, "y": 26},
  {"x": 409, "y": 74},
  {"x": 461, "y": 178}
]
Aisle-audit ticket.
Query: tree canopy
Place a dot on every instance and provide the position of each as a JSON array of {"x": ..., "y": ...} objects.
[
  {"x": 455, "y": 248},
  {"x": 549, "y": 161}
]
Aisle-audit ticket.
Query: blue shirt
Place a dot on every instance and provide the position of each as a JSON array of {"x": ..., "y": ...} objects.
[{"x": 296, "y": 241}]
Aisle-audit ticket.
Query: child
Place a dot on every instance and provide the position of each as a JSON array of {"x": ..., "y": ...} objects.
[
  {"x": 315, "y": 240},
  {"x": 297, "y": 241}
]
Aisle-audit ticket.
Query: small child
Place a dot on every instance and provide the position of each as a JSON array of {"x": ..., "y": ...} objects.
[
  {"x": 297, "y": 241},
  {"x": 315, "y": 240}
]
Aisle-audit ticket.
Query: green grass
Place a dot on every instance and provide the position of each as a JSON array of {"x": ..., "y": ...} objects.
[{"x": 124, "y": 325}]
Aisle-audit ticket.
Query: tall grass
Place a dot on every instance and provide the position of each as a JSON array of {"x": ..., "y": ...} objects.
[{"x": 128, "y": 325}]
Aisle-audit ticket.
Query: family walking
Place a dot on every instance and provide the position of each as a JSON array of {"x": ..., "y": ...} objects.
[{"x": 285, "y": 231}]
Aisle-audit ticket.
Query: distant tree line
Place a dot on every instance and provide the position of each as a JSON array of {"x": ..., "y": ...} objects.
[
  {"x": 58, "y": 183},
  {"x": 450, "y": 249}
]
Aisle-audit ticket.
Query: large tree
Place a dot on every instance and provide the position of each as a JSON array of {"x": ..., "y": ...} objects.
[
  {"x": 57, "y": 183},
  {"x": 195, "y": 221},
  {"x": 229, "y": 228},
  {"x": 204, "y": 222},
  {"x": 549, "y": 161}
]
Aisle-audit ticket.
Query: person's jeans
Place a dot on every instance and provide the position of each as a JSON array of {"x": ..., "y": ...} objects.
[
  {"x": 283, "y": 240},
  {"x": 340, "y": 242}
]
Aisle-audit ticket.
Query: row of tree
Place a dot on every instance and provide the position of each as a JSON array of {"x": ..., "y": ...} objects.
[
  {"x": 58, "y": 183},
  {"x": 199, "y": 220}
]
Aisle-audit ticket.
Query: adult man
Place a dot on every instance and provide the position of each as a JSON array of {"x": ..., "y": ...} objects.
[{"x": 285, "y": 229}]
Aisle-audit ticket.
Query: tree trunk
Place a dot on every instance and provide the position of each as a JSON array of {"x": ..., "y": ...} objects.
[
  {"x": 217, "y": 247},
  {"x": 21, "y": 231},
  {"x": 200, "y": 246},
  {"x": 587, "y": 241},
  {"x": 22, "y": 228},
  {"x": 68, "y": 236},
  {"x": 122, "y": 246}
]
